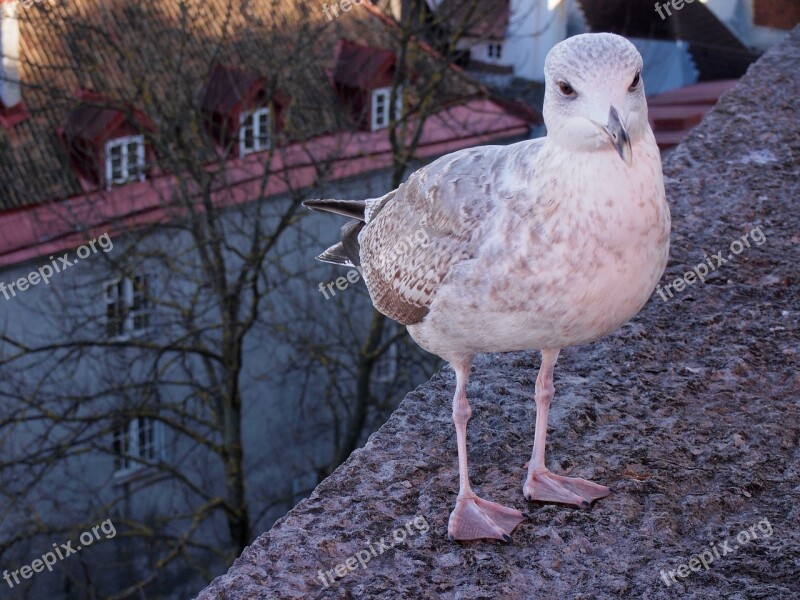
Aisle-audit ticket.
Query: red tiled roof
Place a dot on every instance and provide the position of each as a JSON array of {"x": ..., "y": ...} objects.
[
  {"x": 157, "y": 56},
  {"x": 362, "y": 67},
  {"x": 152, "y": 66},
  {"x": 89, "y": 123},
  {"x": 781, "y": 14},
  {"x": 42, "y": 230},
  {"x": 13, "y": 115},
  {"x": 482, "y": 19},
  {"x": 227, "y": 87},
  {"x": 93, "y": 119}
]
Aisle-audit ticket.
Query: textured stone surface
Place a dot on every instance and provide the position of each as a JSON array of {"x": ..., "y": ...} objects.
[{"x": 691, "y": 413}]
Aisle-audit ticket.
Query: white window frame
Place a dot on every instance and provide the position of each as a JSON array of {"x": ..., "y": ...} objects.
[
  {"x": 132, "y": 456},
  {"x": 112, "y": 290},
  {"x": 124, "y": 175},
  {"x": 494, "y": 50},
  {"x": 251, "y": 120},
  {"x": 384, "y": 95}
]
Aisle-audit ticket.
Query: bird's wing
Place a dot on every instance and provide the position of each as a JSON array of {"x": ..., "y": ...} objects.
[{"x": 433, "y": 221}]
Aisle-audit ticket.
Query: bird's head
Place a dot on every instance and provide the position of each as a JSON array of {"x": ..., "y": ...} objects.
[{"x": 594, "y": 94}]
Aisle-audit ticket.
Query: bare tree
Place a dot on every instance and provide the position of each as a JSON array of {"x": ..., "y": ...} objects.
[{"x": 207, "y": 306}]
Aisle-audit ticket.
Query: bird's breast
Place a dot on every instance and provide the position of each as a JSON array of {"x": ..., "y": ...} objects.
[
  {"x": 568, "y": 272},
  {"x": 589, "y": 263}
]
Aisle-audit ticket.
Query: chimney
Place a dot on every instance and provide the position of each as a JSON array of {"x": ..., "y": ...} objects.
[{"x": 9, "y": 54}]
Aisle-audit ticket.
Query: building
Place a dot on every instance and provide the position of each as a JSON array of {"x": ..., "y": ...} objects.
[
  {"x": 692, "y": 53},
  {"x": 702, "y": 46},
  {"x": 157, "y": 290},
  {"x": 506, "y": 38}
]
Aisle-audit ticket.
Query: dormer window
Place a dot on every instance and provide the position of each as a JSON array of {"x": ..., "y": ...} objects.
[
  {"x": 106, "y": 141},
  {"x": 255, "y": 128},
  {"x": 381, "y": 98},
  {"x": 363, "y": 78},
  {"x": 241, "y": 110},
  {"x": 124, "y": 160}
]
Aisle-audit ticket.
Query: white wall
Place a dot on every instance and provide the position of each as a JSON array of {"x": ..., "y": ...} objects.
[
  {"x": 286, "y": 429},
  {"x": 535, "y": 26},
  {"x": 9, "y": 55},
  {"x": 737, "y": 15}
]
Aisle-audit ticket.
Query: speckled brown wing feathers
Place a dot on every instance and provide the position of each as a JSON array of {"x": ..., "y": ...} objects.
[{"x": 435, "y": 220}]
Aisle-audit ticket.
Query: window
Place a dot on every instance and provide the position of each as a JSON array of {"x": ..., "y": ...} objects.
[
  {"x": 127, "y": 306},
  {"x": 495, "y": 51},
  {"x": 137, "y": 441},
  {"x": 380, "y": 106},
  {"x": 125, "y": 160},
  {"x": 254, "y": 131}
]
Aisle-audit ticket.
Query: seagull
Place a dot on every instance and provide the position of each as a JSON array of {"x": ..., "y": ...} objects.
[{"x": 539, "y": 245}]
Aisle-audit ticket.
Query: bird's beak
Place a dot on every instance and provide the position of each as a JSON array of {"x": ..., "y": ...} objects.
[{"x": 617, "y": 134}]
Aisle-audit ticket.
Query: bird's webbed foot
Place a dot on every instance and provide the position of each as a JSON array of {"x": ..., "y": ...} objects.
[
  {"x": 474, "y": 518},
  {"x": 545, "y": 486}
]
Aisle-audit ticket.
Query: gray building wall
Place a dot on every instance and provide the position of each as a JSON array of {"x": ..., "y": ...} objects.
[{"x": 287, "y": 432}]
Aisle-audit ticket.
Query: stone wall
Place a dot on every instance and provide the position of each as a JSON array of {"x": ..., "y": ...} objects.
[{"x": 691, "y": 413}]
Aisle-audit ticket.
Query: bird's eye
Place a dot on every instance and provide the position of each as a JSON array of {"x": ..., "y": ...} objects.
[
  {"x": 636, "y": 81},
  {"x": 566, "y": 89}
]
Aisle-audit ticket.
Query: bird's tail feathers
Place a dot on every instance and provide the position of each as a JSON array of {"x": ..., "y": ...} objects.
[
  {"x": 346, "y": 252},
  {"x": 336, "y": 256},
  {"x": 353, "y": 209}
]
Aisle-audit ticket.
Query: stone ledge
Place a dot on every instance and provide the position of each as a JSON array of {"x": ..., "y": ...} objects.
[{"x": 690, "y": 413}]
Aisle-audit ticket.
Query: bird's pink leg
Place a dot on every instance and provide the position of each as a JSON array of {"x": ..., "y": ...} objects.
[
  {"x": 474, "y": 518},
  {"x": 541, "y": 484}
]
